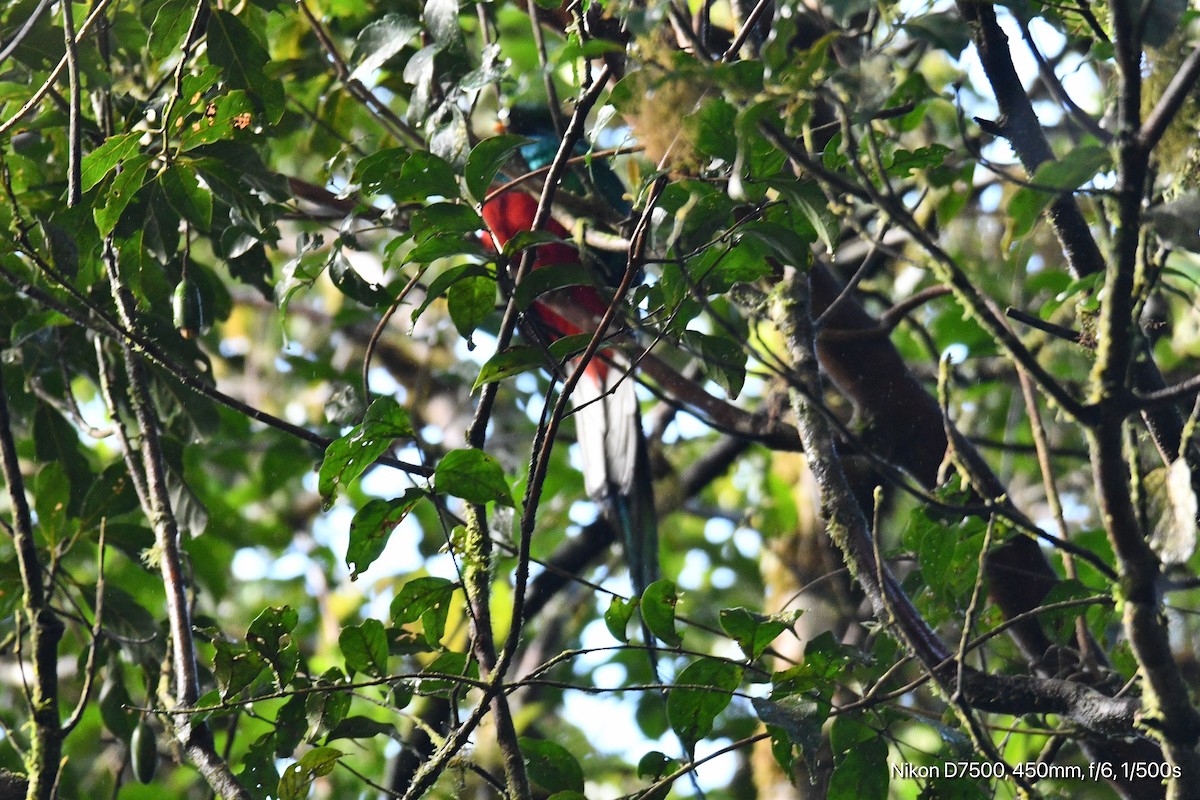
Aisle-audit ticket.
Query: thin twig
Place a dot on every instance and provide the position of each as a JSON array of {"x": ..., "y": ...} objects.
[
  {"x": 89, "y": 669},
  {"x": 747, "y": 27},
  {"x": 400, "y": 129},
  {"x": 74, "y": 135},
  {"x": 1046, "y": 71},
  {"x": 26, "y": 27},
  {"x": 37, "y": 97}
]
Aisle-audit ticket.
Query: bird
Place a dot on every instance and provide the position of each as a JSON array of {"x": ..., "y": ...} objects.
[{"x": 616, "y": 465}]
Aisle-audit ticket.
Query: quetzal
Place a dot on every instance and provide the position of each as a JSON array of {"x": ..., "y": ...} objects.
[{"x": 616, "y": 467}]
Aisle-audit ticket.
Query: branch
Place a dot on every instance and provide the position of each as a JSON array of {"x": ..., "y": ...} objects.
[
  {"x": 1050, "y": 79},
  {"x": 1173, "y": 98},
  {"x": 851, "y": 533},
  {"x": 45, "y": 628},
  {"x": 1021, "y": 127},
  {"x": 194, "y": 736},
  {"x": 97, "y": 635},
  {"x": 74, "y": 135},
  {"x": 26, "y": 27},
  {"x": 1170, "y": 394},
  {"x": 1170, "y": 715},
  {"x": 1024, "y": 133}
]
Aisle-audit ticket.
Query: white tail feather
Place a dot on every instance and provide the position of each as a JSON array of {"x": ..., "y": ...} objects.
[{"x": 606, "y": 421}]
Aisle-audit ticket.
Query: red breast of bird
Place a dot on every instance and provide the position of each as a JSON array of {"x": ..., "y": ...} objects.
[{"x": 513, "y": 212}]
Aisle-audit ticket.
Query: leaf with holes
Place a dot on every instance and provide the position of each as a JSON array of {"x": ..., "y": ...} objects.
[
  {"x": 658, "y": 611},
  {"x": 296, "y": 779},
  {"x": 372, "y": 527},
  {"x": 347, "y": 457}
]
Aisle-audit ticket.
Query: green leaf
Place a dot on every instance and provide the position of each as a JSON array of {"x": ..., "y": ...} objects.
[
  {"x": 104, "y": 159},
  {"x": 616, "y": 618},
  {"x": 365, "y": 648},
  {"x": 782, "y": 749},
  {"x": 297, "y": 778},
  {"x": 568, "y": 346},
  {"x": 862, "y": 773},
  {"x": 472, "y": 475},
  {"x": 487, "y": 159},
  {"x": 1064, "y": 175},
  {"x": 806, "y": 214},
  {"x": 372, "y": 526},
  {"x": 945, "y": 30},
  {"x": 755, "y": 632},
  {"x": 658, "y": 611},
  {"x": 791, "y": 245},
  {"x": 798, "y": 718},
  {"x": 447, "y": 247},
  {"x": 506, "y": 363},
  {"x": 235, "y": 667},
  {"x": 259, "y": 771},
  {"x": 471, "y": 300},
  {"x": 448, "y": 663},
  {"x": 443, "y": 282},
  {"x": 270, "y": 636},
  {"x": 903, "y": 162},
  {"x": 380, "y": 41},
  {"x": 423, "y": 176},
  {"x": 124, "y": 187},
  {"x": 159, "y": 224},
  {"x": 427, "y": 599},
  {"x": 230, "y": 114},
  {"x": 444, "y": 219},
  {"x": 692, "y": 711},
  {"x": 441, "y": 18},
  {"x": 171, "y": 24},
  {"x": 182, "y": 188},
  {"x": 57, "y": 443},
  {"x": 347, "y": 458},
  {"x": 360, "y": 727},
  {"x": 523, "y": 240},
  {"x": 63, "y": 246},
  {"x": 722, "y": 360},
  {"x": 114, "y": 701},
  {"x": 519, "y": 359},
  {"x": 242, "y": 58},
  {"x": 326, "y": 709},
  {"x": 824, "y": 661},
  {"x": 51, "y": 493},
  {"x": 714, "y": 121},
  {"x": 379, "y": 172},
  {"x": 655, "y": 765},
  {"x": 551, "y": 766},
  {"x": 346, "y": 278},
  {"x": 848, "y": 732}
]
